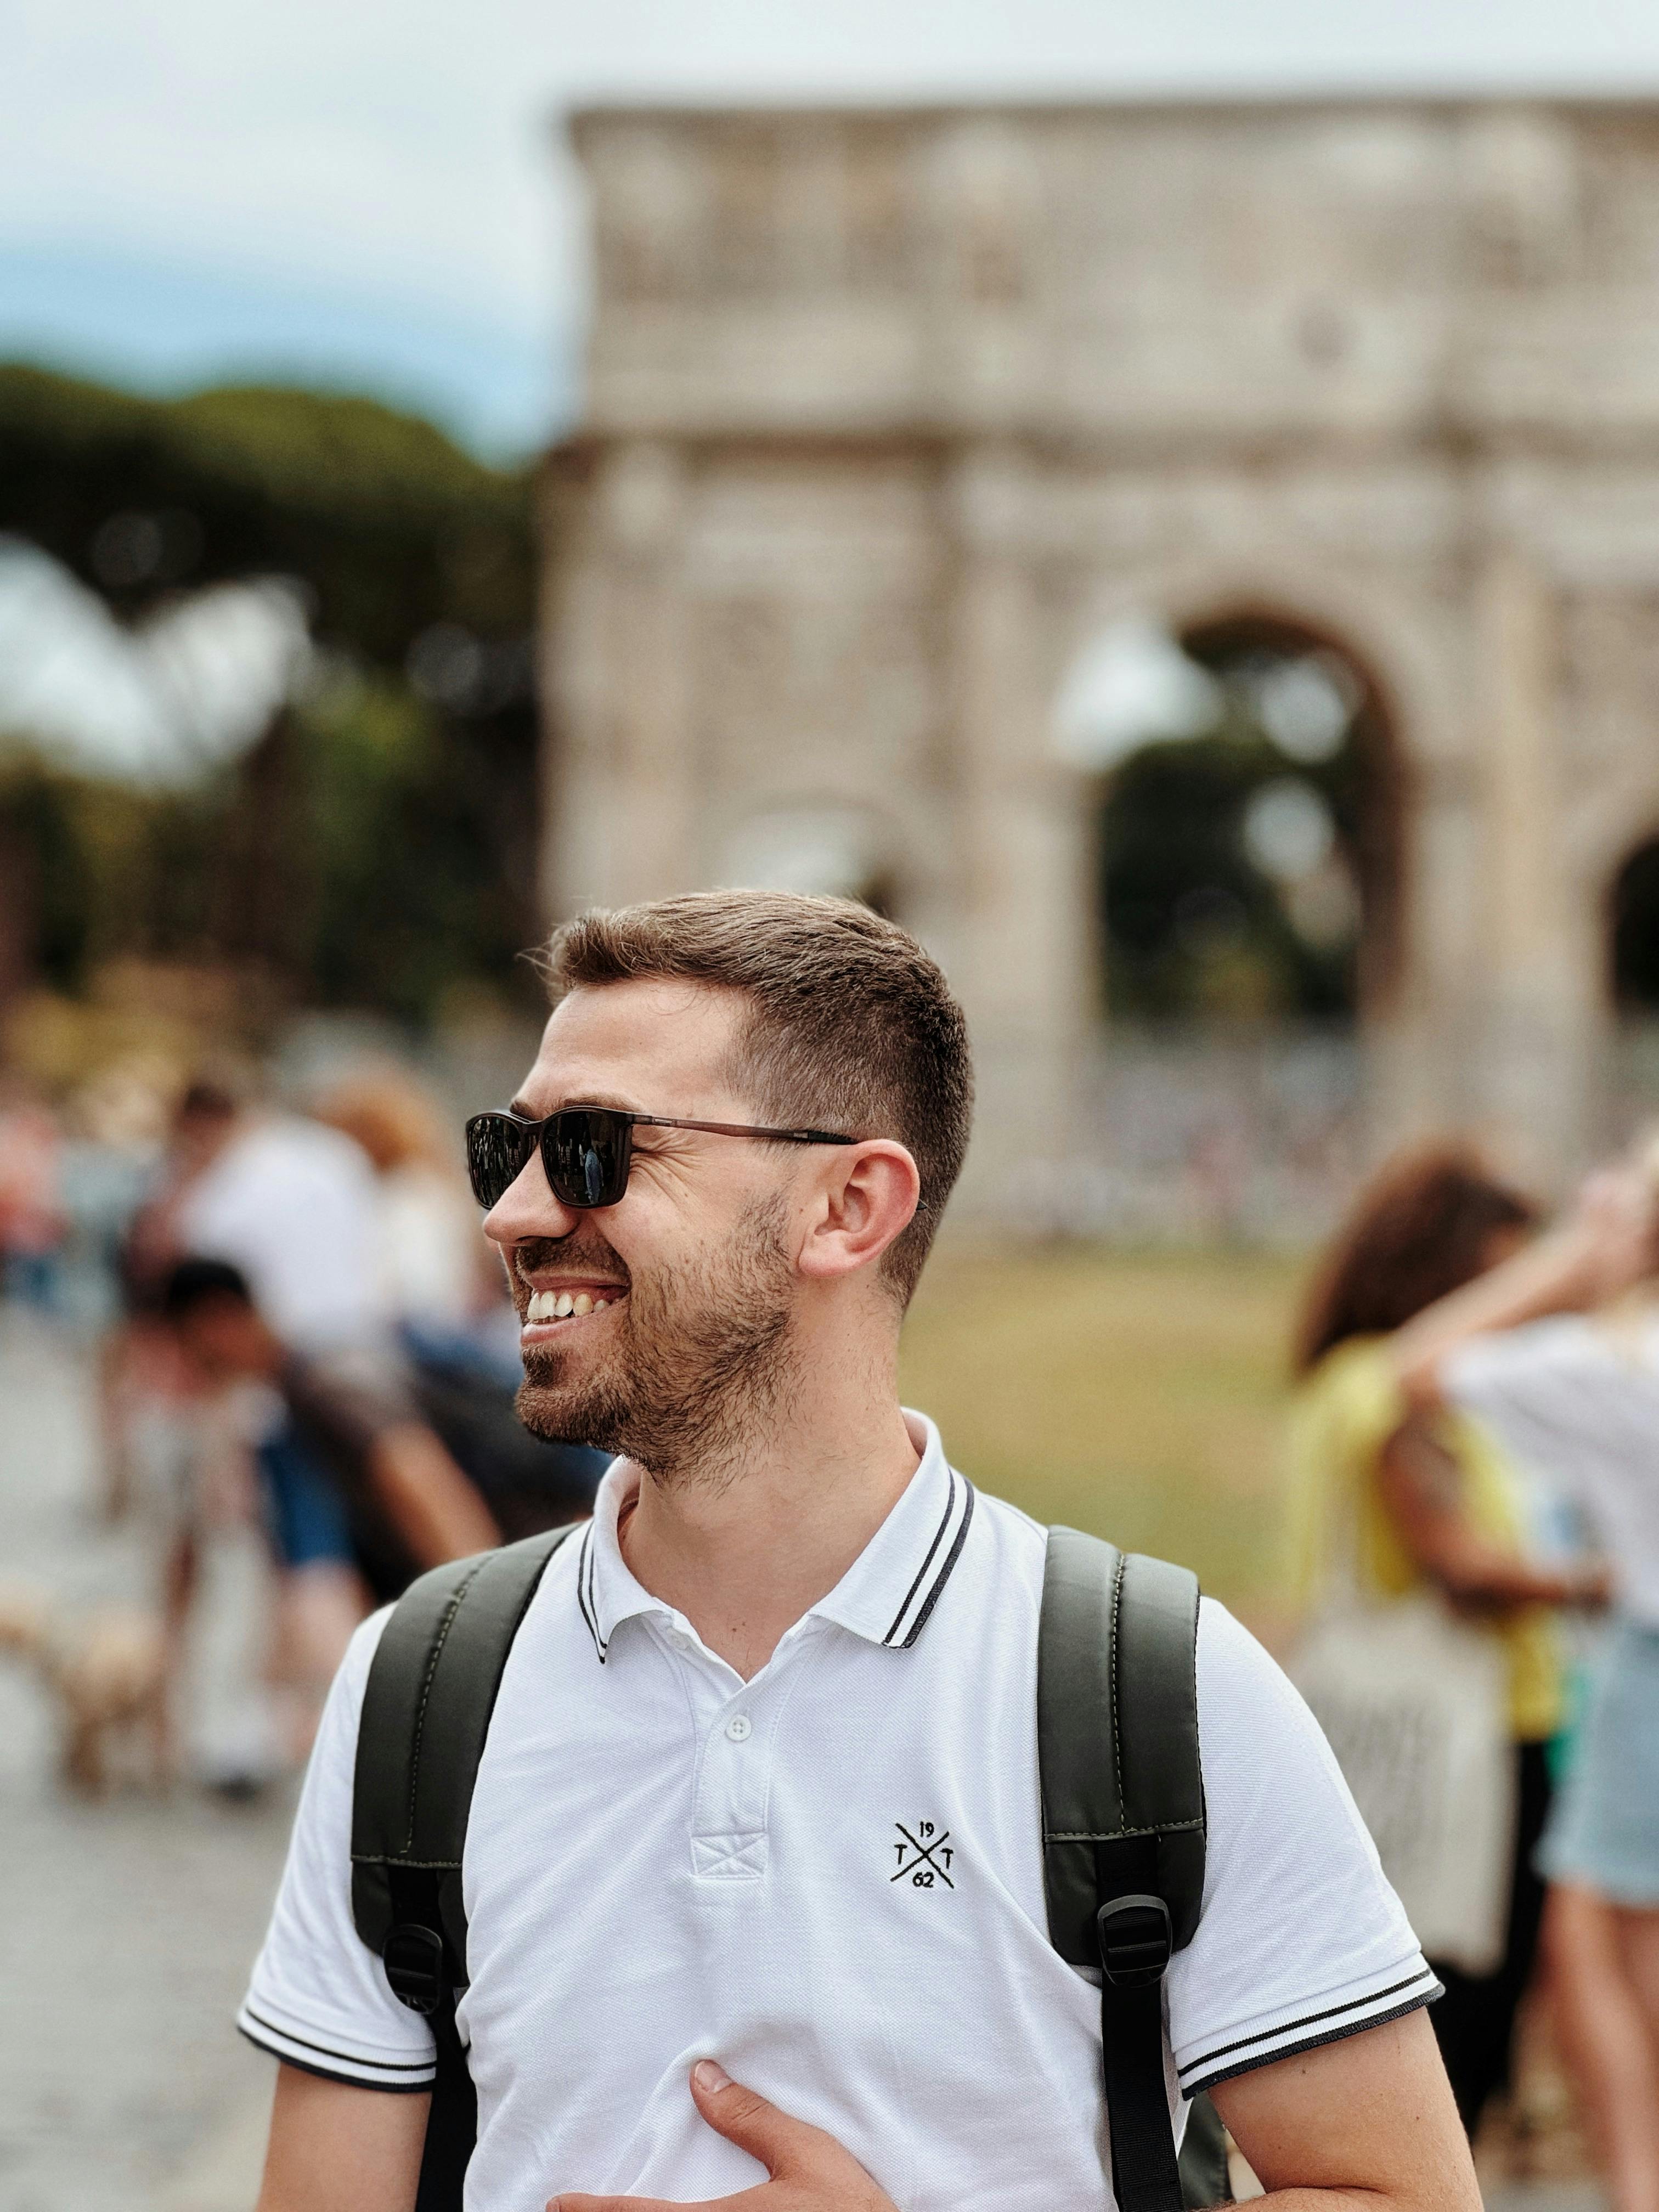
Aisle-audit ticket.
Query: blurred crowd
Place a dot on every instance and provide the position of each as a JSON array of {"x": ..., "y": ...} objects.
[
  {"x": 1475, "y": 1530},
  {"x": 305, "y": 1360}
]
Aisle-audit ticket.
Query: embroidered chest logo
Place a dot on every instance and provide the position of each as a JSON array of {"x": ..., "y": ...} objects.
[{"x": 924, "y": 1857}]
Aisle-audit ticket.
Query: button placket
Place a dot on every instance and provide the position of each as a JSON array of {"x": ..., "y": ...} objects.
[{"x": 730, "y": 1841}]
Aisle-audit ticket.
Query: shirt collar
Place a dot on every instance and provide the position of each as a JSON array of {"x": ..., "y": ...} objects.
[{"x": 886, "y": 1596}]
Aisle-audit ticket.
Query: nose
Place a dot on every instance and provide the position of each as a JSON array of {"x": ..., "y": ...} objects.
[{"x": 528, "y": 1208}]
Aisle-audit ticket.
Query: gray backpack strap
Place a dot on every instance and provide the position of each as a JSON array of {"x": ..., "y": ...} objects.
[
  {"x": 1122, "y": 1819},
  {"x": 431, "y": 1690}
]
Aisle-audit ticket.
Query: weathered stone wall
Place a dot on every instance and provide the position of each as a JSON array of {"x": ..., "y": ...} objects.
[{"x": 888, "y": 413}]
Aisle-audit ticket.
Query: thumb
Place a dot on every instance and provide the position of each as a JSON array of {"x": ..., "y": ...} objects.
[{"x": 781, "y": 2144}]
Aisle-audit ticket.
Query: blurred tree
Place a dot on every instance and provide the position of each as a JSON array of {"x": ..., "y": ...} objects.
[
  {"x": 378, "y": 847},
  {"x": 1254, "y": 870},
  {"x": 392, "y": 528},
  {"x": 1194, "y": 926}
]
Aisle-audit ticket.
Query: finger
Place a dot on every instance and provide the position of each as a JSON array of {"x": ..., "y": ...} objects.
[
  {"x": 578, "y": 2203},
  {"x": 781, "y": 2143}
]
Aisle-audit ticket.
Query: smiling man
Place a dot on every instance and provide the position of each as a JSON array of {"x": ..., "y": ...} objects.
[{"x": 793, "y": 1649}]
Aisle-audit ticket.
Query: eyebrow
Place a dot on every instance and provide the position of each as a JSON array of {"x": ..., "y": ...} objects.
[{"x": 612, "y": 1105}]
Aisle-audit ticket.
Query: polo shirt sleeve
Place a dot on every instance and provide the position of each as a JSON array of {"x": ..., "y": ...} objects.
[
  {"x": 318, "y": 1999},
  {"x": 1301, "y": 1941}
]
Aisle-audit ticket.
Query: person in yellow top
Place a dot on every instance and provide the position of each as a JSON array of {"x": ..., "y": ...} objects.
[{"x": 1435, "y": 1501}]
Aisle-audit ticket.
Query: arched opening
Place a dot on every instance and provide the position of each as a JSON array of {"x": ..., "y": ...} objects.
[
  {"x": 1249, "y": 854},
  {"x": 1633, "y": 936}
]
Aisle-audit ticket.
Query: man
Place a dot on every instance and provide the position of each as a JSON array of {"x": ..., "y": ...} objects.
[
  {"x": 370, "y": 1478},
  {"x": 791, "y": 1635},
  {"x": 291, "y": 1204}
]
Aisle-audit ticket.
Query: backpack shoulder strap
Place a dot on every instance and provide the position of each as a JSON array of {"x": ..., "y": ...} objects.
[
  {"x": 427, "y": 1705},
  {"x": 1122, "y": 1817}
]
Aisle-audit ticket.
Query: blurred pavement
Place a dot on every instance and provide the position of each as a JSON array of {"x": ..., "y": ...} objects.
[{"x": 129, "y": 1925}]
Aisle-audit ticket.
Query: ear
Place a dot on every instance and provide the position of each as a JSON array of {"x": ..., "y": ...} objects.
[{"x": 866, "y": 1199}]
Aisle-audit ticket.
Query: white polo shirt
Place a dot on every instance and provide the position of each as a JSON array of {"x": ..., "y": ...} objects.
[{"x": 829, "y": 1878}]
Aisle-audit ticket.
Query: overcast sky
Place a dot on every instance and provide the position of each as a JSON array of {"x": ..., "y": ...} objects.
[{"x": 371, "y": 193}]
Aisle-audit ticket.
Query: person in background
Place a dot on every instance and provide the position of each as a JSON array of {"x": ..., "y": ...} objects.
[
  {"x": 1438, "y": 1501},
  {"x": 31, "y": 1216},
  {"x": 456, "y": 1324},
  {"x": 1549, "y": 1351},
  {"x": 289, "y": 1207},
  {"x": 115, "y": 1129},
  {"x": 289, "y": 1203},
  {"x": 405, "y": 1503},
  {"x": 439, "y": 1278}
]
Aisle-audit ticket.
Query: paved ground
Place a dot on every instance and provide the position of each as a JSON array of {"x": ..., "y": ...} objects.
[{"x": 127, "y": 1926}]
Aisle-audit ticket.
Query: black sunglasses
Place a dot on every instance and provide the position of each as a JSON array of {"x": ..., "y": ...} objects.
[{"x": 588, "y": 1150}]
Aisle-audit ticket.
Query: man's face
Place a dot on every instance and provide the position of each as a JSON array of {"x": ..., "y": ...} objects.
[{"x": 681, "y": 1294}]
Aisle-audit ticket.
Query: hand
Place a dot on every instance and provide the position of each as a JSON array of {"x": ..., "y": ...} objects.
[{"x": 809, "y": 2170}]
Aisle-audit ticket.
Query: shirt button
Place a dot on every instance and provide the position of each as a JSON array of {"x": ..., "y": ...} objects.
[{"x": 739, "y": 1728}]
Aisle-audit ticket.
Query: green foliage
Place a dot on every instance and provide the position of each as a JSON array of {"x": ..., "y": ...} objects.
[
  {"x": 114, "y": 870},
  {"x": 405, "y": 854},
  {"x": 390, "y": 526},
  {"x": 1192, "y": 926},
  {"x": 377, "y": 849}
]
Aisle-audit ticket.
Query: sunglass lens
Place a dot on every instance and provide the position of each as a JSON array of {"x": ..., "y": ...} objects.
[
  {"x": 497, "y": 1147},
  {"x": 586, "y": 1154}
]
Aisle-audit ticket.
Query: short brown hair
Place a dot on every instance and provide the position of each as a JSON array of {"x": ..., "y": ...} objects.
[
  {"x": 851, "y": 1026},
  {"x": 1419, "y": 1231}
]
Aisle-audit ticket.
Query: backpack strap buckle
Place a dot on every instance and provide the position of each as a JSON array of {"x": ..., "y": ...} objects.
[
  {"x": 414, "y": 1960},
  {"x": 1136, "y": 1940}
]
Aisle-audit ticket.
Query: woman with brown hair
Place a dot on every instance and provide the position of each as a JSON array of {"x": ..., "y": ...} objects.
[
  {"x": 1559, "y": 1351},
  {"x": 1428, "y": 1499}
]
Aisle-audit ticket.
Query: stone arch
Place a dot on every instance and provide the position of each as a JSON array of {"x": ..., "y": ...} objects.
[
  {"x": 1375, "y": 618},
  {"x": 1631, "y": 969},
  {"x": 1219, "y": 621},
  {"x": 1378, "y": 832}
]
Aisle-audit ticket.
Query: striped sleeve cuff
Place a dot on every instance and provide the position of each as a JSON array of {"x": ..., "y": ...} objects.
[
  {"x": 332, "y": 2061},
  {"x": 1402, "y": 1991}
]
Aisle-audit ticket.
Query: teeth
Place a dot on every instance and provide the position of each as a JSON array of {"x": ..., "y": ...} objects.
[{"x": 560, "y": 1305}]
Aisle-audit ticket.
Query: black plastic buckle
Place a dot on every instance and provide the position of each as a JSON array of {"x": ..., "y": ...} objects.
[
  {"x": 1136, "y": 1940},
  {"x": 414, "y": 1960}
]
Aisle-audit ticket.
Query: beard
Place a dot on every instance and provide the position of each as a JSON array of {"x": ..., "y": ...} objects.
[{"x": 698, "y": 1356}]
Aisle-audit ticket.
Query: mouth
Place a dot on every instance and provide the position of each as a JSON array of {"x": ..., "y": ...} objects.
[{"x": 567, "y": 1305}]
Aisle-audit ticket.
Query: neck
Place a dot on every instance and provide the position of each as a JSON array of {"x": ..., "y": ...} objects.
[{"x": 798, "y": 1498}]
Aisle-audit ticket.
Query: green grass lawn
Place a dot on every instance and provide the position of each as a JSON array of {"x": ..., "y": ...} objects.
[{"x": 1138, "y": 1396}]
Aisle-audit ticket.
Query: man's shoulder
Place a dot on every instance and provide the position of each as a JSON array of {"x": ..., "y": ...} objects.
[
  {"x": 1010, "y": 1525},
  {"x": 1003, "y": 1551},
  {"x": 1240, "y": 1684},
  {"x": 352, "y": 1675}
]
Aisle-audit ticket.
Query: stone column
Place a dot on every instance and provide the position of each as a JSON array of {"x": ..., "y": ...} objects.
[
  {"x": 624, "y": 819},
  {"x": 1535, "y": 1083},
  {"x": 1020, "y": 956}
]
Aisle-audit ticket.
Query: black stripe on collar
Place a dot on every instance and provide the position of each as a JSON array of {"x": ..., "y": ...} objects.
[
  {"x": 584, "y": 1591},
  {"x": 959, "y": 1500}
]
